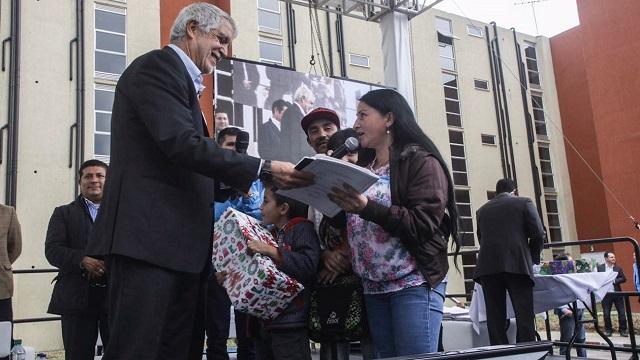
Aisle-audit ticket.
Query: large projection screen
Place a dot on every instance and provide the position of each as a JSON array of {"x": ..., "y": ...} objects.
[{"x": 246, "y": 91}]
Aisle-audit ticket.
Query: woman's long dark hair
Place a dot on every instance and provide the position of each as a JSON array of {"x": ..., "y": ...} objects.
[{"x": 405, "y": 130}]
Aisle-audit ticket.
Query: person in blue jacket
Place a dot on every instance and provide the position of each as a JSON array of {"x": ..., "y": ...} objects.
[{"x": 218, "y": 304}]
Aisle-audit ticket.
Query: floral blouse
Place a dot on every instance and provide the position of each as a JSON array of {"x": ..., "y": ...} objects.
[{"x": 381, "y": 260}]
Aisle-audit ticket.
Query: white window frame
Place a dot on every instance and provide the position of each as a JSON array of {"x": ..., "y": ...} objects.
[
  {"x": 557, "y": 214},
  {"x": 265, "y": 28},
  {"x": 115, "y": 10},
  {"x": 486, "y": 143},
  {"x": 469, "y": 26},
  {"x": 550, "y": 161},
  {"x": 100, "y": 87},
  {"x": 466, "y": 165},
  {"x": 537, "y": 71},
  {"x": 472, "y": 232},
  {"x": 479, "y": 88},
  {"x": 351, "y": 55},
  {"x": 458, "y": 100},
  {"x": 536, "y": 106},
  {"x": 272, "y": 41}
]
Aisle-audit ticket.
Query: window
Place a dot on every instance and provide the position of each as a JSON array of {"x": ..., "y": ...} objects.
[
  {"x": 481, "y": 84},
  {"x": 104, "y": 95},
  {"x": 545, "y": 166},
  {"x": 269, "y": 19},
  {"x": 458, "y": 163},
  {"x": 474, "y": 30},
  {"x": 270, "y": 50},
  {"x": 463, "y": 204},
  {"x": 110, "y": 42},
  {"x": 445, "y": 44},
  {"x": 359, "y": 60},
  {"x": 538, "y": 115},
  {"x": 553, "y": 219},
  {"x": 443, "y": 26},
  {"x": 451, "y": 101},
  {"x": 488, "y": 139},
  {"x": 532, "y": 63}
]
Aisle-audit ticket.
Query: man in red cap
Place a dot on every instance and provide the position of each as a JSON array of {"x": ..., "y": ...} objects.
[{"x": 319, "y": 125}]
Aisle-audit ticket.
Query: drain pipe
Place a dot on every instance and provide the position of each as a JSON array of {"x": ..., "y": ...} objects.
[
  {"x": 329, "y": 44},
  {"x": 340, "y": 37},
  {"x": 495, "y": 103},
  {"x": 291, "y": 34},
  {"x": 530, "y": 133},
  {"x": 506, "y": 107},
  {"x": 13, "y": 120},
  {"x": 79, "y": 125}
]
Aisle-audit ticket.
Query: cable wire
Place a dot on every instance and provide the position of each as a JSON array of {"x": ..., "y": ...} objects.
[{"x": 548, "y": 119}]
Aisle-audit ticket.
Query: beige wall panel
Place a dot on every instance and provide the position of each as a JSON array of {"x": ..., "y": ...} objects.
[
  {"x": 143, "y": 27},
  {"x": 47, "y": 110},
  {"x": 364, "y": 38},
  {"x": 245, "y": 13}
]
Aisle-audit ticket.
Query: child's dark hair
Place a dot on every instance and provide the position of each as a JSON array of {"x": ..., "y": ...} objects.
[
  {"x": 296, "y": 208},
  {"x": 339, "y": 138}
]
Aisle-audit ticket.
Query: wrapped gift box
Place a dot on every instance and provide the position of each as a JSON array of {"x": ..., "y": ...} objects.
[
  {"x": 254, "y": 284},
  {"x": 584, "y": 265},
  {"x": 557, "y": 267}
]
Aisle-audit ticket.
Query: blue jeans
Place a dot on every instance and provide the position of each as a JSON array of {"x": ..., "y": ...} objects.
[
  {"x": 567, "y": 326},
  {"x": 406, "y": 322}
]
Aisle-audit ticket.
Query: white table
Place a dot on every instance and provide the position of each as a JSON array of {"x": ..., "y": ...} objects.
[{"x": 551, "y": 291}]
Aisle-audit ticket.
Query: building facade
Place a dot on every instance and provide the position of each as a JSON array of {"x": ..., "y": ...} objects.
[
  {"x": 597, "y": 81},
  {"x": 484, "y": 94}
]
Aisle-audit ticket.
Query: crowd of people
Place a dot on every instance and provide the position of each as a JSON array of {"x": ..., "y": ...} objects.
[{"x": 134, "y": 249}]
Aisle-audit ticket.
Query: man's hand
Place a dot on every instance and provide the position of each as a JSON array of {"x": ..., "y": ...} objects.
[
  {"x": 95, "y": 268},
  {"x": 220, "y": 276},
  {"x": 285, "y": 176},
  {"x": 566, "y": 313}
]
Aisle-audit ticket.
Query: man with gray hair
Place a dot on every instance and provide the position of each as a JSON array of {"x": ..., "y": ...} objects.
[
  {"x": 154, "y": 226},
  {"x": 293, "y": 141}
]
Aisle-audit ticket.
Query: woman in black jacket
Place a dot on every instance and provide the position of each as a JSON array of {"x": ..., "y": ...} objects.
[{"x": 398, "y": 228}]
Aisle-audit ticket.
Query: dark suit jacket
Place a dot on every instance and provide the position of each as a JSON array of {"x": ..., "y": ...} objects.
[
  {"x": 293, "y": 140},
  {"x": 269, "y": 141},
  {"x": 157, "y": 199},
  {"x": 510, "y": 234},
  {"x": 67, "y": 235},
  {"x": 619, "y": 279}
]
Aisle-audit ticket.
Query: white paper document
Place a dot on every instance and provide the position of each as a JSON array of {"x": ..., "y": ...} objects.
[{"x": 329, "y": 172}]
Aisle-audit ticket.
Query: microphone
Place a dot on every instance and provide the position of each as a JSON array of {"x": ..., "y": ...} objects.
[
  {"x": 350, "y": 145},
  {"x": 242, "y": 142}
]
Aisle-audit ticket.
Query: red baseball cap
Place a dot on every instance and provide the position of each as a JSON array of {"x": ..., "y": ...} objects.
[{"x": 318, "y": 114}]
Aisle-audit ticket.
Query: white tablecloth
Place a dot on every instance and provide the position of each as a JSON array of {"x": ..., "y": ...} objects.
[{"x": 551, "y": 291}]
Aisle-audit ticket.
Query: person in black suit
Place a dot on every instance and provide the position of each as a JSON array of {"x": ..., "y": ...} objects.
[
  {"x": 613, "y": 299},
  {"x": 245, "y": 82},
  {"x": 80, "y": 292},
  {"x": 510, "y": 235},
  {"x": 293, "y": 141},
  {"x": 269, "y": 132},
  {"x": 155, "y": 220}
]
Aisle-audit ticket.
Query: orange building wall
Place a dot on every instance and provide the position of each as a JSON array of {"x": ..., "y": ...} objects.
[
  {"x": 598, "y": 82},
  {"x": 169, "y": 9}
]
